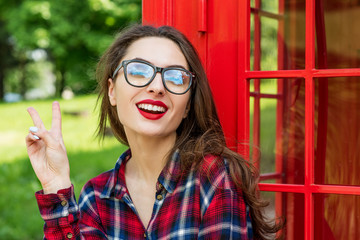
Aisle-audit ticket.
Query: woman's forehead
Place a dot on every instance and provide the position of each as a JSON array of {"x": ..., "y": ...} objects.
[{"x": 160, "y": 51}]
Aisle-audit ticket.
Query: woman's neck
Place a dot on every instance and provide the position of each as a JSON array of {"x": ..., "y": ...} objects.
[{"x": 148, "y": 156}]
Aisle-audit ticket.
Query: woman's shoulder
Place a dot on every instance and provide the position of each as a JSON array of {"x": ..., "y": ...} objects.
[
  {"x": 102, "y": 179},
  {"x": 99, "y": 183},
  {"x": 106, "y": 181}
]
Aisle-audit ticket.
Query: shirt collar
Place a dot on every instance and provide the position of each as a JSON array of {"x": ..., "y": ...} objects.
[
  {"x": 116, "y": 185},
  {"x": 169, "y": 176}
]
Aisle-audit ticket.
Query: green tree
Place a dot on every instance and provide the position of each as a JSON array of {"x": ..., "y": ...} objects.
[
  {"x": 73, "y": 34},
  {"x": 7, "y": 60},
  {"x": 5, "y": 57},
  {"x": 80, "y": 31}
]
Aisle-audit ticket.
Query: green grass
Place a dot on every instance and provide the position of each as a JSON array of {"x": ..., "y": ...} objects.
[{"x": 20, "y": 218}]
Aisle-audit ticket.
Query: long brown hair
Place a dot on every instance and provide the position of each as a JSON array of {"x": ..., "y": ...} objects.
[{"x": 200, "y": 133}]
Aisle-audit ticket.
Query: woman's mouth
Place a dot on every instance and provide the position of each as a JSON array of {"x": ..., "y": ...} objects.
[{"x": 152, "y": 110}]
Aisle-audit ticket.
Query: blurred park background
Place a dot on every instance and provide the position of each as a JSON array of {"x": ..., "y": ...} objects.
[
  {"x": 49, "y": 46},
  {"x": 48, "y": 51}
]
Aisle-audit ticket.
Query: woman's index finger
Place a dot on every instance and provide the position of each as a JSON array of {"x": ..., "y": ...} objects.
[
  {"x": 35, "y": 117},
  {"x": 56, "y": 117}
]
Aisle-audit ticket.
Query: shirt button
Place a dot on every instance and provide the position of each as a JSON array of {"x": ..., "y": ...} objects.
[
  {"x": 63, "y": 203},
  {"x": 144, "y": 235},
  {"x": 69, "y": 235},
  {"x": 159, "y": 197},
  {"x": 160, "y": 186}
]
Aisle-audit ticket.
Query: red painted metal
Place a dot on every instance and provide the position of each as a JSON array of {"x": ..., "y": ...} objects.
[
  {"x": 265, "y": 95},
  {"x": 256, "y": 125},
  {"x": 155, "y": 12},
  {"x": 267, "y": 14},
  {"x": 309, "y": 117},
  {"x": 314, "y": 188},
  {"x": 243, "y": 64},
  {"x": 270, "y": 176},
  {"x": 351, "y": 72},
  {"x": 222, "y": 66},
  {"x": 280, "y": 201},
  {"x": 319, "y": 214},
  {"x": 202, "y": 15},
  {"x": 256, "y": 113}
]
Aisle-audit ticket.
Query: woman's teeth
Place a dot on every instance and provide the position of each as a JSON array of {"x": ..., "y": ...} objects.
[{"x": 151, "y": 108}]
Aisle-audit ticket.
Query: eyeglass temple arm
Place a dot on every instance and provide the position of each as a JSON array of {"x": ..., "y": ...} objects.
[{"x": 116, "y": 70}]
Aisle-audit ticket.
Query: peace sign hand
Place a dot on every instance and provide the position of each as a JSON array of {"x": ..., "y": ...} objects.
[{"x": 47, "y": 152}]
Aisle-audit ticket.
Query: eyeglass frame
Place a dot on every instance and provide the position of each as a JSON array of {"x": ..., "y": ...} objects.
[{"x": 160, "y": 70}]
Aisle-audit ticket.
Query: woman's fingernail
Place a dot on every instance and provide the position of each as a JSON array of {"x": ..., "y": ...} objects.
[
  {"x": 36, "y": 137},
  {"x": 33, "y": 129}
]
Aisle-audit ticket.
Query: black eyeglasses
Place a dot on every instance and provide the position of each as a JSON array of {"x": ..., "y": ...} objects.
[{"x": 140, "y": 73}]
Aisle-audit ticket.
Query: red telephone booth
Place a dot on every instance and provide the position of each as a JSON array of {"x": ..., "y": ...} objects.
[{"x": 300, "y": 82}]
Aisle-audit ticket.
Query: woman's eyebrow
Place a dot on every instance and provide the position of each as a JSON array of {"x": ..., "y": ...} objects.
[{"x": 175, "y": 66}]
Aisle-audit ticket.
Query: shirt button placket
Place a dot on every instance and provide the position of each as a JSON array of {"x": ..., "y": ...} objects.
[
  {"x": 63, "y": 203},
  {"x": 159, "y": 197}
]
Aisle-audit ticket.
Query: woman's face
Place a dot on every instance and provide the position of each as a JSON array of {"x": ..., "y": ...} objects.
[{"x": 133, "y": 103}]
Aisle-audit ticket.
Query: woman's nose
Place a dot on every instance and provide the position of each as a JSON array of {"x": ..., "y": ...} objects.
[{"x": 156, "y": 86}]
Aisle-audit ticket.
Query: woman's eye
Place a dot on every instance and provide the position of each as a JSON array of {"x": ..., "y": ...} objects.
[
  {"x": 140, "y": 70},
  {"x": 174, "y": 77}
]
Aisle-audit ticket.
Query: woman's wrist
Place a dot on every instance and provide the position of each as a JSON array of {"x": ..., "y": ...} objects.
[{"x": 56, "y": 185}]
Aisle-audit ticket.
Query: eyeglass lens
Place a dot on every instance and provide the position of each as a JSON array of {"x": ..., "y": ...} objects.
[{"x": 140, "y": 74}]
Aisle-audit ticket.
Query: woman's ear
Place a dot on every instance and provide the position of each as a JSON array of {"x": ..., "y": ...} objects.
[
  {"x": 111, "y": 92},
  {"x": 187, "y": 110}
]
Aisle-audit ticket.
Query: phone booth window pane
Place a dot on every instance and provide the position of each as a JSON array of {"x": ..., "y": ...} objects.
[
  {"x": 336, "y": 216},
  {"x": 267, "y": 5},
  {"x": 277, "y": 128},
  {"x": 277, "y": 35},
  {"x": 289, "y": 206},
  {"x": 337, "y": 34},
  {"x": 270, "y": 5},
  {"x": 262, "y": 146},
  {"x": 337, "y": 130},
  {"x": 269, "y": 44}
]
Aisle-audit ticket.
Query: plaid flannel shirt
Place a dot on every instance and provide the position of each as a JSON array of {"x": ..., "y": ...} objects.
[{"x": 191, "y": 206}]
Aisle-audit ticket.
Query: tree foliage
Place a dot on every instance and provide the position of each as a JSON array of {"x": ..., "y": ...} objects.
[{"x": 72, "y": 33}]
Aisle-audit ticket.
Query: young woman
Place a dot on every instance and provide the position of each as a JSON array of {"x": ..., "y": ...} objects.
[{"x": 178, "y": 180}]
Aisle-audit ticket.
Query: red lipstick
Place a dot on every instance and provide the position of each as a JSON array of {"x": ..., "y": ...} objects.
[{"x": 152, "y": 115}]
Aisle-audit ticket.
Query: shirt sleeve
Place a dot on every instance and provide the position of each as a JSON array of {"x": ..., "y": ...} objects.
[{"x": 63, "y": 219}]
